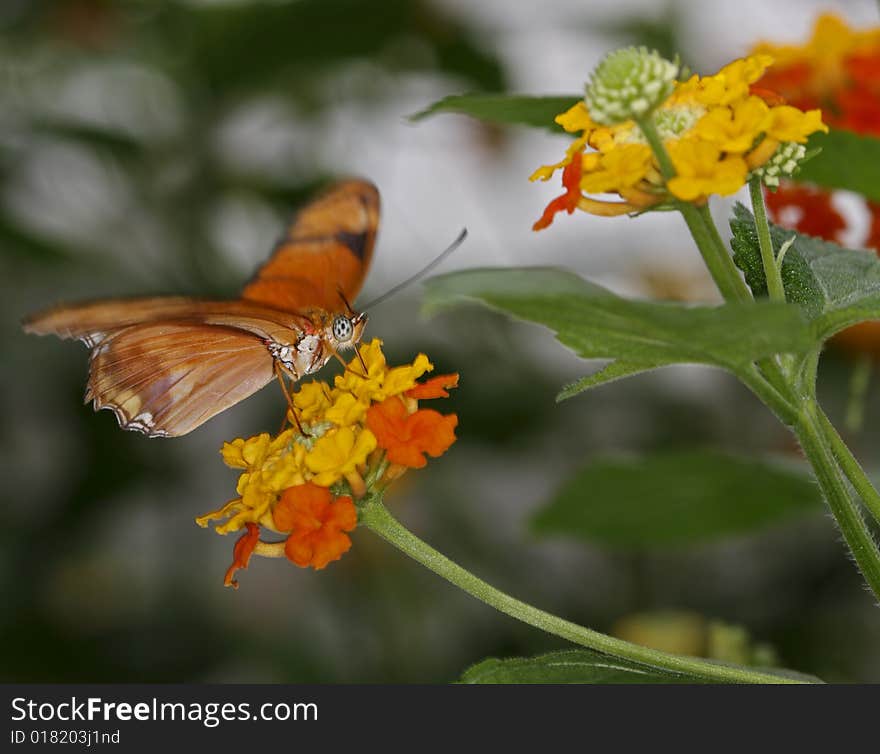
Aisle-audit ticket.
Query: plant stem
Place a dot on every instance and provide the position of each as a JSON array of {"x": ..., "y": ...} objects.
[
  {"x": 701, "y": 226},
  {"x": 741, "y": 290},
  {"x": 735, "y": 287},
  {"x": 815, "y": 443},
  {"x": 851, "y": 467},
  {"x": 773, "y": 383},
  {"x": 376, "y": 517},
  {"x": 761, "y": 386},
  {"x": 717, "y": 260},
  {"x": 652, "y": 136},
  {"x": 771, "y": 269}
]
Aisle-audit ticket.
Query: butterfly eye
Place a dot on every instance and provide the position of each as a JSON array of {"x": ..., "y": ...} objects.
[{"x": 342, "y": 329}]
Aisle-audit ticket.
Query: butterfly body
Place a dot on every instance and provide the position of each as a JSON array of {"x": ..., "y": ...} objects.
[{"x": 165, "y": 365}]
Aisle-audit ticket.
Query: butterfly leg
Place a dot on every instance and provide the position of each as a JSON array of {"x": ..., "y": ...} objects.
[{"x": 279, "y": 372}]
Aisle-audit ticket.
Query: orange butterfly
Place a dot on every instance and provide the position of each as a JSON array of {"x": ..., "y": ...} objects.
[{"x": 166, "y": 365}]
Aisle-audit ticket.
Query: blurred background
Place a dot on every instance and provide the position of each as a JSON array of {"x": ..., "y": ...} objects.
[{"x": 151, "y": 148}]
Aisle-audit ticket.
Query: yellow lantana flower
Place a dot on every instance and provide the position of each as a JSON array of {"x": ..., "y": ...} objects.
[
  {"x": 311, "y": 400},
  {"x": 734, "y": 129},
  {"x": 338, "y": 453},
  {"x": 346, "y": 410},
  {"x": 619, "y": 168},
  {"x": 576, "y": 118},
  {"x": 717, "y": 132},
  {"x": 787, "y": 123},
  {"x": 379, "y": 382},
  {"x": 702, "y": 169},
  {"x": 349, "y": 440},
  {"x": 731, "y": 84}
]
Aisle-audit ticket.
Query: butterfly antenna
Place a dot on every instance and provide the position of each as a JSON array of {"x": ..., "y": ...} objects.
[
  {"x": 357, "y": 350},
  {"x": 347, "y": 368},
  {"x": 345, "y": 301},
  {"x": 422, "y": 272}
]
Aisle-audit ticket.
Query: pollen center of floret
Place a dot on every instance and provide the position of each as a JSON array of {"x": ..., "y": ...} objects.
[{"x": 673, "y": 122}]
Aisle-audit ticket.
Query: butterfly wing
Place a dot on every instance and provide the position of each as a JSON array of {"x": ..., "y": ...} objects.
[
  {"x": 92, "y": 321},
  {"x": 166, "y": 378},
  {"x": 166, "y": 365},
  {"x": 327, "y": 249}
]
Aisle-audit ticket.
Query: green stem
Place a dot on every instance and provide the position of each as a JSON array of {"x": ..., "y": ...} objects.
[
  {"x": 786, "y": 411},
  {"x": 652, "y": 136},
  {"x": 765, "y": 242},
  {"x": 813, "y": 435},
  {"x": 376, "y": 517},
  {"x": 717, "y": 260},
  {"x": 701, "y": 226},
  {"x": 851, "y": 467},
  {"x": 741, "y": 290}
]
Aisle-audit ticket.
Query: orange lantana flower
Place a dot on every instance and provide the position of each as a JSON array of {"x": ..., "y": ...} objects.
[
  {"x": 436, "y": 387},
  {"x": 406, "y": 437},
  {"x": 568, "y": 202},
  {"x": 241, "y": 553},
  {"x": 317, "y": 523},
  {"x": 837, "y": 70},
  {"x": 309, "y": 482}
]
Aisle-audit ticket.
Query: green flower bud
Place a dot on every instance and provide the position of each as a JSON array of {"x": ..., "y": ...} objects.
[
  {"x": 784, "y": 163},
  {"x": 629, "y": 84}
]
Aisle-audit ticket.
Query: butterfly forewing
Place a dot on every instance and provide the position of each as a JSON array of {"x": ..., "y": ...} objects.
[
  {"x": 326, "y": 250},
  {"x": 167, "y": 378},
  {"x": 92, "y": 321}
]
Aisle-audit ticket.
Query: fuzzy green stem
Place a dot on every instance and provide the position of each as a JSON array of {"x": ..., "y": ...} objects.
[
  {"x": 771, "y": 269},
  {"x": 718, "y": 261},
  {"x": 786, "y": 411},
  {"x": 376, "y": 517},
  {"x": 851, "y": 467},
  {"x": 740, "y": 290},
  {"x": 813, "y": 435}
]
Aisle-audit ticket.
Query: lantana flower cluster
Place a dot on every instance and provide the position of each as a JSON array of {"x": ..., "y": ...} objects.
[
  {"x": 718, "y": 131},
  {"x": 838, "y": 71},
  {"x": 345, "y": 442}
]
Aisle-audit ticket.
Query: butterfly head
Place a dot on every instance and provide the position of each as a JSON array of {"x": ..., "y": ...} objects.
[{"x": 345, "y": 330}]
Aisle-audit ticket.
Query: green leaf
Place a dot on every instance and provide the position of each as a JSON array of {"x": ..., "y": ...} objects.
[
  {"x": 596, "y": 324},
  {"x": 506, "y": 109},
  {"x": 675, "y": 499},
  {"x": 836, "y": 287},
  {"x": 570, "y": 666},
  {"x": 847, "y": 161},
  {"x": 585, "y": 666},
  {"x": 616, "y": 370}
]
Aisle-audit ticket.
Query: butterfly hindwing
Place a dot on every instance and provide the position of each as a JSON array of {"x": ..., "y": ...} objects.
[{"x": 166, "y": 378}]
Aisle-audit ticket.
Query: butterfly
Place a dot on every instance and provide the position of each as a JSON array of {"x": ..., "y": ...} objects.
[{"x": 165, "y": 365}]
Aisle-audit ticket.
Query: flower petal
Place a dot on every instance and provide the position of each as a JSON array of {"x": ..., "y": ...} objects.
[
  {"x": 436, "y": 387},
  {"x": 241, "y": 553}
]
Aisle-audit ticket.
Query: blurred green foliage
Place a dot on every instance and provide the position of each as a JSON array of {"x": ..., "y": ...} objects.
[{"x": 676, "y": 499}]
